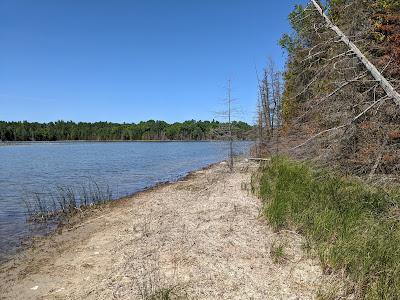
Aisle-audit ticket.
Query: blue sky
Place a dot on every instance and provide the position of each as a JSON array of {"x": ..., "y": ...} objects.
[{"x": 131, "y": 60}]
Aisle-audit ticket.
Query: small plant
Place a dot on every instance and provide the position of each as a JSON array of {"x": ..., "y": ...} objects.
[
  {"x": 277, "y": 253},
  {"x": 161, "y": 294},
  {"x": 152, "y": 284},
  {"x": 330, "y": 294}
]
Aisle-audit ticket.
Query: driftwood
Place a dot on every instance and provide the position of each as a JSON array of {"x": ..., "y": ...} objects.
[
  {"x": 259, "y": 159},
  {"x": 384, "y": 83}
]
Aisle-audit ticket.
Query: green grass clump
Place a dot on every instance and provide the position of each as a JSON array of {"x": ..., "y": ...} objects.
[
  {"x": 351, "y": 225},
  {"x": 277, "y": 253}
]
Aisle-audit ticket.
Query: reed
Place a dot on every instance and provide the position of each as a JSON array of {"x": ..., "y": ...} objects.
[{"x": 65, "y": 201}]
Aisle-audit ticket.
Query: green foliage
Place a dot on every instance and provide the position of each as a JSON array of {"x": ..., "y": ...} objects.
[
  {"x": 296, "y": 75},
  {"x": 388, "y": 4},
  {"x": 150, "y": 130},
  {"x": 335, "y": 7},
  {"x": 288, "y": 43},
  {"x": 353, "y": 227},
  {"x": 297, "y": 20}
]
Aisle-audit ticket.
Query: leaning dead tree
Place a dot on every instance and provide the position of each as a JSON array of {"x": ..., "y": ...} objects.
[
  {"x": 338, "y": 83},
  {"x": 383, "y": 82}
]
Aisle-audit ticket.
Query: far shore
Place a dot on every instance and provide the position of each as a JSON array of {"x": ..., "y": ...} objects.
[{"x": 4, "y": 143}]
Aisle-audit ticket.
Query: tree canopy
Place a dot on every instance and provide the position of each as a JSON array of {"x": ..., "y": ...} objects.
[{"x": 103, "y": 131}]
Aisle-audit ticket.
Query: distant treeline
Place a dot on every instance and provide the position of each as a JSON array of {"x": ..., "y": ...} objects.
[{"x": 103, "y": 131}]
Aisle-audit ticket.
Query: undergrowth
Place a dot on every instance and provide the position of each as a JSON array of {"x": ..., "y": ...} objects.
[{"x": 350, "y": 225}]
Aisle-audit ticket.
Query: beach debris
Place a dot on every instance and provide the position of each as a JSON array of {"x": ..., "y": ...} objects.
[{"x": 34, "y": 288}]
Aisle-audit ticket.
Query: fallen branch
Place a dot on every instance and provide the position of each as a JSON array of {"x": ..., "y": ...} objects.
[
  {"x": 259, "y": 159},
  {"x": 317, "y": 135}
]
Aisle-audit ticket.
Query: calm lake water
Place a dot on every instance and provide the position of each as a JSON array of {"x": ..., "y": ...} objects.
[{"x": 129, "y": 167}]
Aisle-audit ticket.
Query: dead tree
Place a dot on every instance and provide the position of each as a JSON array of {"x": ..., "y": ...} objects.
[
  {"x": 260, "y": 122},
  {"x": 384, "y": 83},
  {"x": 275, "y": 95},
  {"x": 336, "y": 102},
  {"x": 265, "y": 102},
  {"x": 229, "y": 100},
  {"x": 228, "y": 114},
  {"x": 391, "y": 93},
  {"x": 269, "y": 108},
  {"x": 277, "y": 109}
]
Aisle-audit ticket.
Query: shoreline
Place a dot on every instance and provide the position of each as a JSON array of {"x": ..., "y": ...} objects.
[
  {"x": 28, "y": 242},
  {"x": 5, "y": 143},
  {"x": 201, "y": 236}
]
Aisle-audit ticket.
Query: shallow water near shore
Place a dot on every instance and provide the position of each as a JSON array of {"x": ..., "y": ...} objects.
[{"x": 126, "y": 168}]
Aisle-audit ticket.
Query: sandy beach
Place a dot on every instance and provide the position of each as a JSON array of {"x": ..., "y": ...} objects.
[{"x": 203, "y": 237}]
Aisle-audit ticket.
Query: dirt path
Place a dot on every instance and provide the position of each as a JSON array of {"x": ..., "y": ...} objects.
[{"x": 201, "y": 238}]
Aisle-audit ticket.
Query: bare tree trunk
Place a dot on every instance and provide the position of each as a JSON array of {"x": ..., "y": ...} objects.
[
  {"x": 260, "y": 126},
  {"x": 277, "y": 105},
  {"x": 273, "y": 95},
  {"x": 265, "y": 102},
  {"x": 260, "y": 113},
  {"x": 384, "y": 83},
  {"x": 230, "y": 127}
]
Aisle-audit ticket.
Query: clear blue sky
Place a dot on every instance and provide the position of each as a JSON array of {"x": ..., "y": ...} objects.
[{"x": 131, "y": 60}]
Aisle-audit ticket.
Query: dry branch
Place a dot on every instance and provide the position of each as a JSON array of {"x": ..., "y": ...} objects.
[{"x": 341, "y": 126}]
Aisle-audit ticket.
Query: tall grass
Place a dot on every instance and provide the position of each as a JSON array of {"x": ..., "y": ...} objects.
[
  {"x": 65, "y": 201},
  {"x": 352, "y": 226}
]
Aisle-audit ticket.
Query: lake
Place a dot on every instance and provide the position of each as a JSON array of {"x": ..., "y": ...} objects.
[{"x": 127, "y": 167}]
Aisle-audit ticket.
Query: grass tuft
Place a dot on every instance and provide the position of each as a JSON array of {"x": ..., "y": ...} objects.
[
  {"x": 152, "y": 284},
  {"x": 278, "y": 253},
  {"x": 161, "y": 294},
  {"x": 351, "y": 226}
]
